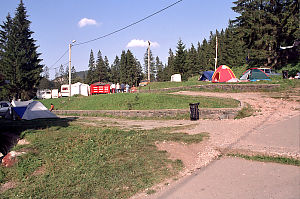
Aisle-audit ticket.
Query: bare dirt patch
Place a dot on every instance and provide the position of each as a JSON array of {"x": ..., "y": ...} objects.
[{"x": 8, "y": 185}]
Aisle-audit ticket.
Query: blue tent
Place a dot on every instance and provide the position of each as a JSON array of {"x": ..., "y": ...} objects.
[{"x": 207, "y": 76}]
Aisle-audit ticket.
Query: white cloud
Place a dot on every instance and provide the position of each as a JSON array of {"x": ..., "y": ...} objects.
[
  {"x": 141, "y": 43},
  {"x": 85, "y": 22}
]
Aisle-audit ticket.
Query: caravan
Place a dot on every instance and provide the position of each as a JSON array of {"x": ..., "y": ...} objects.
[
  {"x": 76, "y": 89},
  {"x": 44, "y": 94}
]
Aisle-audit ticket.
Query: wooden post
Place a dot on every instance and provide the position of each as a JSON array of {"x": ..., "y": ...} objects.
[{"x": 149, "y": 61}]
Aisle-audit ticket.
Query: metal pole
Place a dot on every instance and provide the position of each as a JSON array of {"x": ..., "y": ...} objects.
[
  {"x": 70, "y": 45},
  {"x": 149, "y": 61},
  {"x": 216, "y": 59}
]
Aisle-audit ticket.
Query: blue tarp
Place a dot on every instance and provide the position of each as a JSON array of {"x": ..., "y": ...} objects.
[{"x": 207, "y": 75}]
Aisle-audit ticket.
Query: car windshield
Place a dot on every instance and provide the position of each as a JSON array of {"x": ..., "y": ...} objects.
[{"x": 267, "y": 70}]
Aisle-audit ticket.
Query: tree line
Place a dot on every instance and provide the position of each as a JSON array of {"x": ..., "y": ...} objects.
[{"x": 255, "y": 38}]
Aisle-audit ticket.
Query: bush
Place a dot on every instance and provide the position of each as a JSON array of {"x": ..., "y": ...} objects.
[{"x": 293, "y": 69}]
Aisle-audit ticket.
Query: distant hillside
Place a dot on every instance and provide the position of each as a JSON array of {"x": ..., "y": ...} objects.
[{"x": 82, "y": 74}]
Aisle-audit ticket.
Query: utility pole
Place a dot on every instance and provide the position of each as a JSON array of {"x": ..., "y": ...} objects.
[
  {"x": 216, "y": 59},
  {"x": 70, "y": 46},
  {"x": 149, "y": 61}
]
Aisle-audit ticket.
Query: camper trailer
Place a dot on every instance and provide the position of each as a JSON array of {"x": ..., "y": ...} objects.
[
  {"x": 54, "y": 93},
  {"x": 76, "y": 89},
  {"x": 80, "y": 89},
  {"x": 64, "y": 90},
  {"x": 44, "y": 94}
]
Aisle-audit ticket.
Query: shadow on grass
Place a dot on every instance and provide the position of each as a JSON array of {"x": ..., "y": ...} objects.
[{"x": 11, "y": 131}]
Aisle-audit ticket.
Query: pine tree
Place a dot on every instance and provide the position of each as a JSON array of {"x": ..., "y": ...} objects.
[
  {"x": 106, "y": 64},
  {"x": 101, "y": 69},
  {"x": 123, "y": 67},
  {"x": 203, "y": 55},
  {"x": 46, "y": 72},
  {"x": 91, "y": 75},
  {"x": 192, "y": 62},
  {"x": 6, "y": 50},
  {"x": 180, "y": 60},
  {"x": 115, "y": 70},
  {"x": 160, "y": 67},
  {"x": 168, "y": 70},
  {"x": 25, "y": 58},
  {"x": 132, "y": 69}
]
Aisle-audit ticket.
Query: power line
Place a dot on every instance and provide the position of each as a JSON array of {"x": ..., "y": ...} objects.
[
  {"x": 116, "y": 31},
  {"x": 132, "y": 24},
  {"x": 59, "y": 58}
]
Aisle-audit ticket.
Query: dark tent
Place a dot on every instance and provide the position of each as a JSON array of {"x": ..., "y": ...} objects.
[
  {"x": 254, "y": 74},
  {"x": 207, "y": 75}
]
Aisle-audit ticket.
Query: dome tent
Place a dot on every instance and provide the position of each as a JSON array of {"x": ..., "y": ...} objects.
[
  {"x": 254, "y": 74},
  {"x": 223, "y": 74},
  {"x": 29, "y": 110},
  {"x": 207, "y": 75}
]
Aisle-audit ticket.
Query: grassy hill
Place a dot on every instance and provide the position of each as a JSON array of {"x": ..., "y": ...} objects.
[{"x": 137, "y": 101}]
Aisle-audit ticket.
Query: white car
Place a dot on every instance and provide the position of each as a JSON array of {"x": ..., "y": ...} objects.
[{"x": 4, "y": 106}]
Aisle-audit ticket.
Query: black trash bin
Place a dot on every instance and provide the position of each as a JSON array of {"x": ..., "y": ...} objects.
[
  {"x": 285, "y": 74},
  {"x": 194, "y": 111}
]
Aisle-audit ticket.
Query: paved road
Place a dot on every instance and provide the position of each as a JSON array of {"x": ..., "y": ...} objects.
[
  {"x": 281, "y": 138},
  {"x": 239, "y": 178}
]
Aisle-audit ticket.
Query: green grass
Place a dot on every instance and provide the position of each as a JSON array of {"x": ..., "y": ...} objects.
[
  {"x": 137, "y": 101},
  {"x": 161, "y": 85},
  {"x": 261, "y": 158},
  {"x": 90, "y": 162}
]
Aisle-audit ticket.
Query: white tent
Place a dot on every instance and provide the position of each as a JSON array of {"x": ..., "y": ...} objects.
[{"x": 29, "y": 110}]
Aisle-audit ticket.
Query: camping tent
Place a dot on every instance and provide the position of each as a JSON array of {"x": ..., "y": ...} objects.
[
  {"x": 29, "y": 110},
  {"x": 206, "y": 76},
  {"x": 223, "y": 74},
  {"x": 254, "y": 74}
]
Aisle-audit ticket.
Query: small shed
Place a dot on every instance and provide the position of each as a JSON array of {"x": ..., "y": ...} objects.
[{"x": 176, "y": 78}]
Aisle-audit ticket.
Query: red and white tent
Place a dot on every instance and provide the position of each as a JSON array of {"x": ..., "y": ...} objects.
[{"x": 223, "y": 74}]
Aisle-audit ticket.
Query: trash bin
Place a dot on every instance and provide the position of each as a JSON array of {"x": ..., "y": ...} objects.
[
  {"x": 194, "y": 111},
  {"x": 285, "y": 74}
]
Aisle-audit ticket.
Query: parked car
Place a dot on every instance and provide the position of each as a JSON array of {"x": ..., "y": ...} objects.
[
  {"x": 4, "y": 107},
  {"x": 144, "y": 82},
  {"x": 269, "y": 71}
]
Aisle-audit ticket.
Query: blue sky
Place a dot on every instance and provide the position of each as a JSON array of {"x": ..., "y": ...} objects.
[{"x": 56, "y": 23}]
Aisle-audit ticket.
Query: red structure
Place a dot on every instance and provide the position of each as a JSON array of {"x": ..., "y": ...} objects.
[{"x": 99, "y": 88}]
